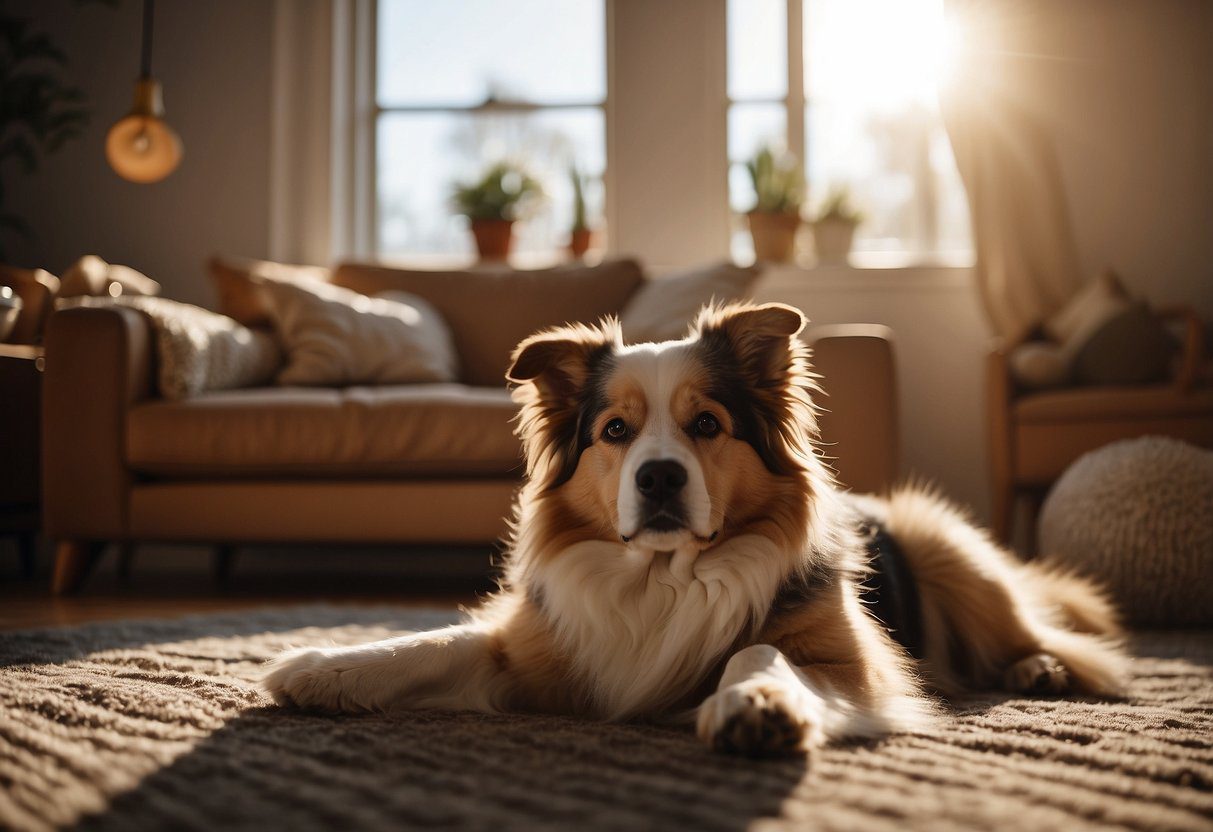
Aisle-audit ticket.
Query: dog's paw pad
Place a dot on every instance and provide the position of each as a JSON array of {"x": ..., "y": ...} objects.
[
  {"x": 1040, "y": 674},
  {"x": 756, "y": 722}
]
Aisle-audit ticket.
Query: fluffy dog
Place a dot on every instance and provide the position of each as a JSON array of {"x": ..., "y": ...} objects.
[{"x": 680, "y": 549}]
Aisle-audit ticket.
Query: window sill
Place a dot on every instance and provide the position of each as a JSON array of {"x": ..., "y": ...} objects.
[
  {"x": 866, "y": 273},
  {"x": 523, "y": 261}
]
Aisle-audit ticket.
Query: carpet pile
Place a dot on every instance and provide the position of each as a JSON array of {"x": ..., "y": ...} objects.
[{"x": 160, "y": 725}]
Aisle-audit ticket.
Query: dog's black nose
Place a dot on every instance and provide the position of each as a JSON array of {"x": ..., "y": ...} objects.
[{"x": 660, "y": 479}]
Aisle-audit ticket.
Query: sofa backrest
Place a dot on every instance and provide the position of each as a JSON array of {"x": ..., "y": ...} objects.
[{"x": 490, "y": 311}]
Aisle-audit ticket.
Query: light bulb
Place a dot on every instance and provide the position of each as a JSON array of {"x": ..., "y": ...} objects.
[{"x": 141, "y": 147}]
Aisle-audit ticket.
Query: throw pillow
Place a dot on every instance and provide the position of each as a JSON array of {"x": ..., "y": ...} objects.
[
  {"x": 1131, "y": 347},
  {"x": 664, "y": 307},
  {"x": 90, "y": 275},
  {"x": 1094, "y": 303},
  {"x": 335, "y": 336},
  {"x": 196, "y": 349},
  {"x": 236, "y": 283}
]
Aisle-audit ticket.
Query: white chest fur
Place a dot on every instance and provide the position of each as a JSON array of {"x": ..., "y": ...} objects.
[{"x": 642, "y": 628}]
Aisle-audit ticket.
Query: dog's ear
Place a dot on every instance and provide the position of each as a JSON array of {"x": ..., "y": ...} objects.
[
  {"x": 554, "y": 372},
  {"x": 760, "y": 337},
  {"x": 762, "y": 369},
  {"x": 559, "y": 359}
]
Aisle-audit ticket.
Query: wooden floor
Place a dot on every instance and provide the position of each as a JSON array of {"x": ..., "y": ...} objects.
[{"x": 169, "y": 584}]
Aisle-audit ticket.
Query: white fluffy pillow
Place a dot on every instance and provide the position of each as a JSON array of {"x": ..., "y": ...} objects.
[
  {"x": 198, "y": 350},
  {"x": 663, "y": 307},
  {"x": 334, "y": 336}
]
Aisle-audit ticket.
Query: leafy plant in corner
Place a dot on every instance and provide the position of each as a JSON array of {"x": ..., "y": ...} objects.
[
  {"x": 39, "y": 110},
  {"x": 778, "y": 182},
  {"x": 504, "y": 192}
]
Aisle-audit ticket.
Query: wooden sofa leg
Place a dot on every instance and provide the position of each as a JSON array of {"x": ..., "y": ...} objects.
[{"x": 74, "y": 559}]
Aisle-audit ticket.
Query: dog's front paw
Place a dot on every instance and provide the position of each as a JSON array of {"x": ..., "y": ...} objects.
[
  {"x": 305, "y": 678},
  {"x": 761, "y": 718}
]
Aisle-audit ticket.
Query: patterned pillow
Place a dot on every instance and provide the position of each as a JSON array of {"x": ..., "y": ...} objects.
[{"x": 199, "y": 350}]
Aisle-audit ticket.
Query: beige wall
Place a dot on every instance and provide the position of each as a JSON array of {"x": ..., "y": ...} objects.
[
  {"x": 214, "y": 60},
  {"x": 1127, "y": 89}
]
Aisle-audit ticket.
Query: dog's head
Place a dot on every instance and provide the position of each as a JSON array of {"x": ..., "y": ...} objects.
[{"x": 672, "y": 444}]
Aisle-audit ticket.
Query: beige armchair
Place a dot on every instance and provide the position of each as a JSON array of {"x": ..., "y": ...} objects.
[{"x": 1035, "y": 436}]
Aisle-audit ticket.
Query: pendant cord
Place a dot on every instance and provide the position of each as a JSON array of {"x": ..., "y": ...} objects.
[{"x": 145, "y": 61}]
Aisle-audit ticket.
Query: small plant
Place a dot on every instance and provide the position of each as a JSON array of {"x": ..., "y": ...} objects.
[
  {"x": 778, "y": 182},
  {"x": 578, "y": 180},
  {"x": 837, "y": 206},
  {"x": 505, "y": 192}
]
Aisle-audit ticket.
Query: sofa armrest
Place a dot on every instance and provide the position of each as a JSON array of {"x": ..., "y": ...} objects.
[
  {"x": 859, "y": 413},
  {"x": 98, "y": 364}
]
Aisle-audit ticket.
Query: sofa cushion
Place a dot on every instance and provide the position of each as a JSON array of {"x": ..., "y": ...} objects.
[
  {"x": 236, "y": 284},
  {"x": 421, "y": 430},
  {"x": 490, "y": 311},
  {"x": 1088, "y": 403}
]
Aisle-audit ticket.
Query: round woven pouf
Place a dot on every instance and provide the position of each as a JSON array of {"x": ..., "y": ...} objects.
[{"x": 1137, "y": 515}]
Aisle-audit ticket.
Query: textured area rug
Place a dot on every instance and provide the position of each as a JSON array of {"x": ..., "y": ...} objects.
[{"x": 160, "y": 725}]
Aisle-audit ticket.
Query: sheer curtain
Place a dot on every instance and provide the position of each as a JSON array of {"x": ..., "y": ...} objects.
[{"x": 1027, "y": 263}]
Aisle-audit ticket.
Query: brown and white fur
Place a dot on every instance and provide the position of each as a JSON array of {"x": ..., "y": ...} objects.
[{"x": 679, "y": 548}]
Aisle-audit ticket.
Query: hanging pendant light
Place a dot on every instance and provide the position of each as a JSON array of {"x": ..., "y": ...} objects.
[{"x": 141, "y": 147}]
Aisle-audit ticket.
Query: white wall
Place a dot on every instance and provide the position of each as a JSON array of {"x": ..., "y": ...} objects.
[
  {"x": 666, "y": 145},
  {"x": 214, "y": 61}
]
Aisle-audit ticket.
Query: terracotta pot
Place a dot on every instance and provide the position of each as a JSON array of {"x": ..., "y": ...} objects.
[
  {"x": 774, "y": 235},
  {"x": 493, "y": 238},
  {"x": 579, "y": 241},
  {"x": 832, "y": 240}
]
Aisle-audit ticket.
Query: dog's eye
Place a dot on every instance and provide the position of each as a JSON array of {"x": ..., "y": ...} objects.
[
  {"x": 615, "y": 430},
  {"x": 706, "y": 425}
]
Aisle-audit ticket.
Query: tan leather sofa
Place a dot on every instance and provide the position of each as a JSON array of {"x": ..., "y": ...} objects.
[{"x": 408, "y": 464}]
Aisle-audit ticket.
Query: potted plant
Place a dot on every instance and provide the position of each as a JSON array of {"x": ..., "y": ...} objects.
[
  {"x": 834, "y": 227},
  {"x": 580, "y": 235},
  {"x": 779, "y": 191},
  {"x": 503, "y": 194}
]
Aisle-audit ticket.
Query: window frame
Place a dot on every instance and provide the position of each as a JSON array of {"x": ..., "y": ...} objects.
[
  {"x": 367, "y": 240},
  {"x": 926, "y": 245}
]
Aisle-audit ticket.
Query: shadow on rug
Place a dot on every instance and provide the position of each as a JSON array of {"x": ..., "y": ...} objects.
[{"x": 160, "y": 725}]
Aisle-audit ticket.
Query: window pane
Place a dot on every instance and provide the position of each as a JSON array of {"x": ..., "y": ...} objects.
[
  {"x": 758, "y": 49},
  {"x": 458, "y": 52},
  {"x": 421, "y": 155},
  {"x": 873, "y": 125},
  {"x": 751, "y": 126}
]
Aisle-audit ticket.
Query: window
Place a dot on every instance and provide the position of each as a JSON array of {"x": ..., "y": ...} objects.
[
  {"x": 849, "y": 86},
  {"x": 461, "y": 84}
]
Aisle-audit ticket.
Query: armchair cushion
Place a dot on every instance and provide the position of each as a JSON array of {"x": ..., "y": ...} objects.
[{"x": 1084, "y": 404}]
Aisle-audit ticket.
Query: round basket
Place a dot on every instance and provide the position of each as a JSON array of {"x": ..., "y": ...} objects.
[{"x": 1137, "y": 516}]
